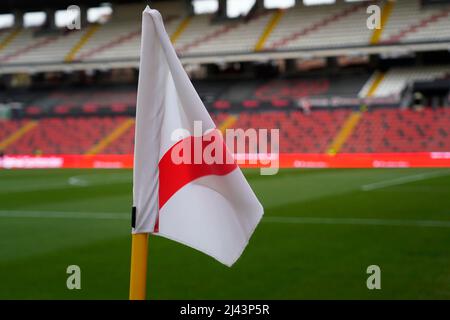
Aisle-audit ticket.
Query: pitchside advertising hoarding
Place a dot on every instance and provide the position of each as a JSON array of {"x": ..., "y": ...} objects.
[{"x": 283, "y": 160}]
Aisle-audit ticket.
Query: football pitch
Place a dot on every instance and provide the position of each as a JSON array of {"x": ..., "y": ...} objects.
[{"x": 320, "y": 232}]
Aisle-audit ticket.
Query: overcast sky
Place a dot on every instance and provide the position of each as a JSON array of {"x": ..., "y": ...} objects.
[{"x": 236, "y": 7}]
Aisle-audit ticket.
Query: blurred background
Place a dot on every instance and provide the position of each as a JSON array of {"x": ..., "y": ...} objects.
[{"x": 361, "y": 88}]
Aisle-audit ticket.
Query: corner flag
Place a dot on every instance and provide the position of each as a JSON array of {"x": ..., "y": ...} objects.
[{"x": 207, "y": 205}]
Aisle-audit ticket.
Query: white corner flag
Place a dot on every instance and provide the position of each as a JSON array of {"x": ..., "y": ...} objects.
[{"x": 207, "y": 205}]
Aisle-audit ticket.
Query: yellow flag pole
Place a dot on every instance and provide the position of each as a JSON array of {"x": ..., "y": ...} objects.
[{"x": 138, "y": 270}]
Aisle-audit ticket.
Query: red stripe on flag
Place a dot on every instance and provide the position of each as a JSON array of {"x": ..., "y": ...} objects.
[{"x": 173, "y": 176}]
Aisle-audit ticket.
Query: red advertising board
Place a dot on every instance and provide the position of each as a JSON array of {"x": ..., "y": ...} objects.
[{"x": 284, "y": 160}]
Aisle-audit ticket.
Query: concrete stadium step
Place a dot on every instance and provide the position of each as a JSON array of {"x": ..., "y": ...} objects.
[
  {"x": 111, "y": 137},
  {"x": 271, "y": 25},
  {"x": 370, "y": 87},
  {"x": 180, "y": 29},
  {"x": 385, "y": 14},
  {"x": 378, "y": 79},
  {"x": 91, "y": 30},
  {"x": 16, "y": 135},
  {"x": 345, "y": 132}
]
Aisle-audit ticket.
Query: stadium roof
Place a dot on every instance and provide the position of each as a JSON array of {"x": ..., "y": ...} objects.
[{"x": 7, "y": 6}]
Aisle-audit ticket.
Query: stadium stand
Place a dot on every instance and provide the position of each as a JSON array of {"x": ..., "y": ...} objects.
[
  {"x": 411, "y": 22},
  {"x": 395, "y": 80},
  {"x": 388, "y": 130},
  {"x": 298, "y": 132},
  {"x": 120, "y": 37},
  {"x": 202, "y": 37},
  {"x": 211, "y": 91},
  {"x": 380, "y": 130},
  {"x": 295, "y": 88},
  {"x": 90, "y": 97},
  {"x": 63, "y": 136},
  {"x": 124, "y": 144},
  {"x": 301, "y": 27},
  {"x": 32, "y": 48},
  {"x": 316, "y": 26},
  {"x": 7, "y": 128}
]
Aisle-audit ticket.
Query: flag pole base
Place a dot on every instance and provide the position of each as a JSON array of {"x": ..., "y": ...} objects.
[{"x": 138, "y": 270}]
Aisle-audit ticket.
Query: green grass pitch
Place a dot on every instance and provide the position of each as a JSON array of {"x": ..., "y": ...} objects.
[{"x": 321, "y": 230}]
